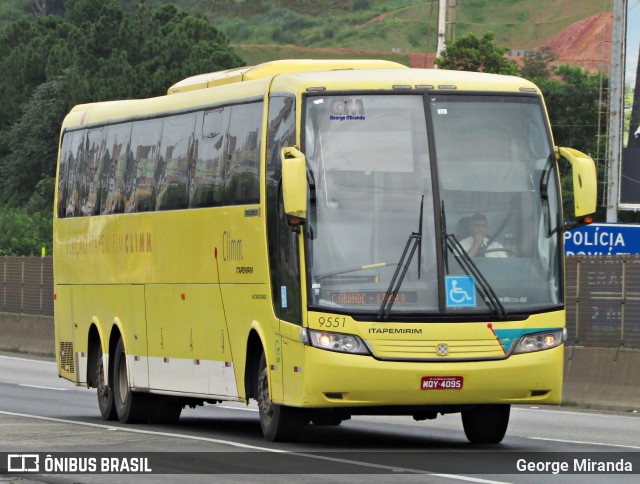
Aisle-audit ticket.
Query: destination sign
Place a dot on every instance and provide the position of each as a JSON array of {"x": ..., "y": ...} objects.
[{"x": 371, "y": 297}]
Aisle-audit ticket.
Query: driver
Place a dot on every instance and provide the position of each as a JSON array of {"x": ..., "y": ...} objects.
[{"x": 477, "y": 244}]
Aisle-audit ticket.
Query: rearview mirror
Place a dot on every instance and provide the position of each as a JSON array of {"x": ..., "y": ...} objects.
[
  {"x": 585, "y": 184},
  {"x": 294, "y": 185}
]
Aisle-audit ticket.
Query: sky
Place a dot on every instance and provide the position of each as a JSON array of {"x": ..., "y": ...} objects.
[{"x": 633, "y": 41}]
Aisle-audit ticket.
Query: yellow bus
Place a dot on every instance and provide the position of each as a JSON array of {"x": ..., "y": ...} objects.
[{"x": 329, "y": 238}]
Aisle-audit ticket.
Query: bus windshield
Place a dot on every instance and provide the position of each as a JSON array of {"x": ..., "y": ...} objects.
[{"x": 496, "y": 198}]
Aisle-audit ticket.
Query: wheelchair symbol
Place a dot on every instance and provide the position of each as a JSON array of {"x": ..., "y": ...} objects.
[
  {"x": 460, "y": 291},
  {"x": 457, "y": 294}
]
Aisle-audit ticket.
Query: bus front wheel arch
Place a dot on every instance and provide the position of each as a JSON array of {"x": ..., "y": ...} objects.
[{"x": 279, "y": 423}]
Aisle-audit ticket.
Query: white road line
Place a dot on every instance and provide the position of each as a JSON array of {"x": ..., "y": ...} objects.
[
  {"x": 27, "y": 359},
  {"x": 43, "y": 388},
  {"x": 140, "y": 431},
  {"x": 254, "y": 447},
  {"x": 567, "y": 412},
  {"x": 586, "y": 443}
]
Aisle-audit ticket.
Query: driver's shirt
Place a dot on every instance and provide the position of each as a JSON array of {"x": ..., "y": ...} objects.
[{"x": 468, "y": 242}]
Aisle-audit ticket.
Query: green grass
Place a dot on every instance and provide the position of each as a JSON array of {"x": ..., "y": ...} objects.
[
  {"x": 410, "y": 26},
  {"x": 522, "y": 24}
]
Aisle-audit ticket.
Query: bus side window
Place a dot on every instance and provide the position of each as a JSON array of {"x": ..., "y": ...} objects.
[
  {"x": 75, "y": 154},
  {"x": 145, "y": 145},
  {"x": 117, "y": 155},
  {"x": 205, "y": 181},
  {"x": 89, "y": 180},
  {"x": 176, "y": 155},
  {"x": 63, "y": 176},
  {"x": 242, "y": 168}
]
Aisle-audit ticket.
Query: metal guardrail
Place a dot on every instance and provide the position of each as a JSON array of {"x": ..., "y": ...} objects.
[
  {"x": 602, "y": 296},
  {"x": 26, "y": 285}
]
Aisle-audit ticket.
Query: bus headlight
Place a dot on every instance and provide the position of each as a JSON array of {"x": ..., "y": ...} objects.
[
  {"x": 540, "y": 341},
  {"x": 343, "y": 343}
]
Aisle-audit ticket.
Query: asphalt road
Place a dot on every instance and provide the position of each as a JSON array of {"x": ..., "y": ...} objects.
[{"x": 42, "y": 414}]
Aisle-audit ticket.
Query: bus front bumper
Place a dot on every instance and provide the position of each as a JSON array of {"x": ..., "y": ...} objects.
[{"x": 330, "y": 379}]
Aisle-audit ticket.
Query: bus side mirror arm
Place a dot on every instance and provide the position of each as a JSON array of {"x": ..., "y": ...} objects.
[
  {"x": 294, "y": 186},
  {"x": 585, "y": 183}
]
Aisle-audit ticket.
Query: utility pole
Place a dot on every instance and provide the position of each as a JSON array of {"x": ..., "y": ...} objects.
[
  {"x": 616, "y": 108},
  {"x": 451, "y": 24},
  {"x": 442, "y": 26}
]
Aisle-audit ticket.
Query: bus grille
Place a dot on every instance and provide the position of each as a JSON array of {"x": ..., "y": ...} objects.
[
  {"x": 67, "y": 361},
  {"x": 411, "y": 350}
]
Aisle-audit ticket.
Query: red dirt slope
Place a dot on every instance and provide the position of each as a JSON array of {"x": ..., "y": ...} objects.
[{"x": 586, "y": 43}]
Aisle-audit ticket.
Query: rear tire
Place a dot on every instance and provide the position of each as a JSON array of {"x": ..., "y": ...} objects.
[
  {"x": 104, "y": 389},
  {"x": 486, "y": 424},
  {"x": 131, "y": 407},
  {"x": 279, "y": 423}
]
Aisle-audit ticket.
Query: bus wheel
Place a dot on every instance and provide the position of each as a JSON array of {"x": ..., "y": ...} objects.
[
  {"x": 104, "y": 390},
  {"x": 486, "y": 424},
  {"x": 131, "y": 406},
  {"x": 279, "y": 423}
]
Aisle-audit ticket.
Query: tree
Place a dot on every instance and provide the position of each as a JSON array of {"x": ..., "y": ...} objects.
[
  {"x": 24, "y": 55},
  {"x": 573, "y": 99},
  {"x": 33, "y": 144},
  {"x": 173, "y": 46},
  {"x": 22, "y": 233},
  {"x": 94, "y": 53},
  {"x": 573, "y": 103},
  {"x": 470, "y": 53},
  {"x": 537, "y": 64}
]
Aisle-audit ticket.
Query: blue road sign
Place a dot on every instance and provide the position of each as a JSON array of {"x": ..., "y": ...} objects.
[{"x": 603, "y": 239}]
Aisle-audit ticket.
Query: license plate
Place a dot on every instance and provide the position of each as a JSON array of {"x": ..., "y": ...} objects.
[{"x": 441, "y": 383}]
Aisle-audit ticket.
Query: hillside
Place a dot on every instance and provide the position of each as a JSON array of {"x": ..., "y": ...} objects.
[
  {"x": 406, "y": 31},
  {"x": 586, "y": 43},
  {"x": 402, "y": 30}
]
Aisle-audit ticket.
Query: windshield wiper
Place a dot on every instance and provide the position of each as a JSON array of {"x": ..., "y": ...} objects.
[
  {"x": 451, "y": 243},
  {"x": 489, "y": 295},
  {"x": 414, "y": 242},
  {"x": 443, "y": 234}
]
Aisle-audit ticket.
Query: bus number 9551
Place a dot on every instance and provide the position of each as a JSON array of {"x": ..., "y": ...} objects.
[{"x": 332, "y": 321}]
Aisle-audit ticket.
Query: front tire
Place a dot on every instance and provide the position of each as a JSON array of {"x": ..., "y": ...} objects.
[
  {"x": 104, "y": 389},
  {"x": 131, "y": 407},
  {"x": 279, "y": 423},
  {"x": 486, "y": 424}
]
